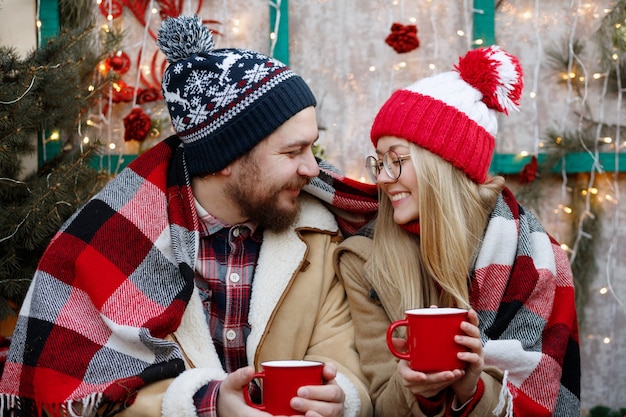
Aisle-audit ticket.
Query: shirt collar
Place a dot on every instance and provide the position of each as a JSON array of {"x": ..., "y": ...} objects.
[{"x": 209, "y": 224}]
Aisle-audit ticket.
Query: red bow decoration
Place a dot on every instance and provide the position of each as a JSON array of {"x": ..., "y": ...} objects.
[
  {"x": 529, "y": 172},
  {"x": 122, "y": 92},
  {"x": 146, "y": 95},
  {"x": 403, "y": 38},
  {"x": 137, "y": 125}
]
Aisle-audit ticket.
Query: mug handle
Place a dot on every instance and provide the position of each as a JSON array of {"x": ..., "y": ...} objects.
[
  {"x": 246, "y": 394},
  {"x": 390, "y": 330}
]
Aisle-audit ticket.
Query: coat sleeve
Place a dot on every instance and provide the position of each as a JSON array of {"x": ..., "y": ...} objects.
[
  {"x": 333, "y": 338},
  {"x": 370, "y": 323},
  {"x": 325, "y": 333}
]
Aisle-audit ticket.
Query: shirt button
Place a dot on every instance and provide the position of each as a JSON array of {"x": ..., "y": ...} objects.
[
  {"x": 234, "y": 277},
  {"x": 236, "y": 232},
  {"x": 231, "y": 335}
]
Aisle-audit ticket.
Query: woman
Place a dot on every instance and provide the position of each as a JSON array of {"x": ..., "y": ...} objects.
[{"x": 447, "y": 234}]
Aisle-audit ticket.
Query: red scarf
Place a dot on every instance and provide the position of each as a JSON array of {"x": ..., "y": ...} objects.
[{"x": 412, "y": 227}]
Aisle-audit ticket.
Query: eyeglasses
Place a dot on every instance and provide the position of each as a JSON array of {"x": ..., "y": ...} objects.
[{"x": 391, "y": 161}]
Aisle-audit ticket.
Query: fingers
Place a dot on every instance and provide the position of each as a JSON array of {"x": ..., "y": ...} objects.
[
  {"x": 472, "y": 316},
  {"x": 230, "y": 398},
  {"x": 474, "y": 357},
  {"x": 320, "y": 400},
  {"x": 238, "y": 379},
  {"x": 427, "y": 385},
  {"x": 330, "y": 371},
  {"x": 399, "y": 344},
  {"x": 472, "y": 341}
]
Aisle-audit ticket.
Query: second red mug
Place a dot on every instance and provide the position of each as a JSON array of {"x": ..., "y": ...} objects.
[{"x": 430, "y": 338}]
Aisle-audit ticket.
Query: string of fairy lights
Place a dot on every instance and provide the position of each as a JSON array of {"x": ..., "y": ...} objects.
[
  {"x": 585, "y": 85},
  {"x": 105, "y": 113}
]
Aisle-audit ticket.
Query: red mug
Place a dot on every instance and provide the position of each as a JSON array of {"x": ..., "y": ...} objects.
[
  {"x": 280, "y": 383},
  {"x": 430, "y": 338}
]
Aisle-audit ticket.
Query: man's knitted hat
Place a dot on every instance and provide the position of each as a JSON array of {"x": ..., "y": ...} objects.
[
  {"x": 223, "y": 102},
  {"x": 453, "y": 114}
]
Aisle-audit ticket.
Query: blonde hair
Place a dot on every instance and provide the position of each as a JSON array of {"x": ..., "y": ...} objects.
[{"x": 453, "y": 212}]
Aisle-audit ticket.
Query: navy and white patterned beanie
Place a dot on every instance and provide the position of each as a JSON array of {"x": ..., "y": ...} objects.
[{"x": 223, "y": 102}]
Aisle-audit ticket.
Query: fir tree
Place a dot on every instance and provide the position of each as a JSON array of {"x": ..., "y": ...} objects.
[{"x": 47, "y": 90}]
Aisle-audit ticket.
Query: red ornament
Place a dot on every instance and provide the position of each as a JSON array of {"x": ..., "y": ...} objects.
[
  {"x": 529, "y": 172},
  {"x": 403, "y": 38},
  {"x": 137, "y": 125},
  {"x": 120, "y": 62}
]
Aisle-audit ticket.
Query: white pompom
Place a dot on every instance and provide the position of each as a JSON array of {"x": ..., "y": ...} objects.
[{"x": 181, "y": 37}]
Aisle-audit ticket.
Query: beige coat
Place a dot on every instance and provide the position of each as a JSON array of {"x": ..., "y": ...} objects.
[
  {"x": 372, "y": 317},
  {"x": 298, "y": 310}
]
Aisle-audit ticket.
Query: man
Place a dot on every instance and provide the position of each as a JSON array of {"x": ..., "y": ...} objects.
[{"x": 195, "y": 264}]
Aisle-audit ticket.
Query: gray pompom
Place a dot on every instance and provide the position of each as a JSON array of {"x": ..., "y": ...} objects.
[{"x": 183, "y": 36}]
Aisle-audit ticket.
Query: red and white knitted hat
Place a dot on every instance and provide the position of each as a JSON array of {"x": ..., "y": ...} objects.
[{"x": 453, "y": 114}]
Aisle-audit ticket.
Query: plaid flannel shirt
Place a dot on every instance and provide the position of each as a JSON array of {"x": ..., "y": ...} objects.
[{"x": 226, "y": 260}]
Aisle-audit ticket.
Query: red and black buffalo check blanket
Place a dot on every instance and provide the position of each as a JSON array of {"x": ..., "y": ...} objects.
[{"x": 71, "y": 327}]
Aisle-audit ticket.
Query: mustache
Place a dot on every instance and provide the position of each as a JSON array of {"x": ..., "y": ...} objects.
[{"x": 298, "y": 183}]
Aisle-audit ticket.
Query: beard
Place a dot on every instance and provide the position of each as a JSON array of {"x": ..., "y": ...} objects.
[{"x": 259, "y": 200}]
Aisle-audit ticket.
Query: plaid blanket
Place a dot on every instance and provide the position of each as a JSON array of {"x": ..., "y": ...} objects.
[
  {"x": 523, "y": 291},
  {"x": 353, "y": 203},
  {"x": 141, "y": 232}
]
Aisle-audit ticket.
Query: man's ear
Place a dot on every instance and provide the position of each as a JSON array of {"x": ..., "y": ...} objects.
[{"x": 228, "y": 170}]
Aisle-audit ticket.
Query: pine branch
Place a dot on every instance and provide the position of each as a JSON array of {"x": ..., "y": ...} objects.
[
  {"x": 47, "y": 90},
  {"x": 28, "y": 225}
]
